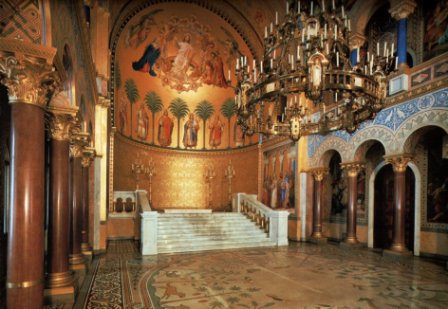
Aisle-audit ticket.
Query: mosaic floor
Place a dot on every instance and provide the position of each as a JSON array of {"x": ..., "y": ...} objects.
[{"x": 297, "y": 276}]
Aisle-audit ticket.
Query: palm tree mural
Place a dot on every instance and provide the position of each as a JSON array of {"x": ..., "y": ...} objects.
[
  {"x": 179, "y": 109},
  {"x": 132, "y": 94},
  {"x": 204, "y": 110},
  {"x": 228, "y": 110},
  {"x": 154, "y": 103}
]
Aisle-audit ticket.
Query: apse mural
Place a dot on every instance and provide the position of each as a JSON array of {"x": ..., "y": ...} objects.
[
  {"x": 279, "y": 178},
  {"x": 174, "y": 71},
  {"x": 436, "y": 28}
]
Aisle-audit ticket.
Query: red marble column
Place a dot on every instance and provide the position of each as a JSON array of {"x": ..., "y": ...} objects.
[
  {"x": 352, "y": 169},
  {"x": 399, "y": 164},
  {"x": 318, "y": 175},
  {"x": 27, "y": 83},
  {"x": 76, "y": 257},
  {"x": 59, "y": 274}
]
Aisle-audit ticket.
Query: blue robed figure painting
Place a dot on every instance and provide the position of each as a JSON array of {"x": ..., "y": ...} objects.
[{"x": 147, "y": 61}]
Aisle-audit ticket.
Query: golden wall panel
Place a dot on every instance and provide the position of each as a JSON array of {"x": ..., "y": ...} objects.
[
  {"x": 434, "y": 243},
  {"x": 179, "y": 181}
]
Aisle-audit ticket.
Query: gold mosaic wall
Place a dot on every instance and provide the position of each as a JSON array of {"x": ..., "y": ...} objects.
[{"x": 179, "y": 181}]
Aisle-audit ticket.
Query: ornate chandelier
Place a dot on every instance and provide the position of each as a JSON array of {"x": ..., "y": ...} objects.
[{"x": 307, "y": 57}]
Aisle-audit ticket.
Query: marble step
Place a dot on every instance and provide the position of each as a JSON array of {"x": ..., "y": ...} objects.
[
  {"x": 201, "y": 229},
  {"x": 191, "y": 236},
  {"x": 214, "y": 246},
  {"x": 210, "y": 230},
  {"x": 209, "y": 219},
  {"x": 215, "y": 214}
]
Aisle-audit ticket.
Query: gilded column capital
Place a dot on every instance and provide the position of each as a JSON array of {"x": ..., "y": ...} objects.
[
  {"x": 88, "y": 154},
  {"x": 79, "y": 140},
  {"x": 318, "y": 173},
  {"x": 400, "y": 9},
  {"x": 352, "y": 168},
  {"x": 27, "y": 71},
  {"x": 61, "y": 122},
  {"x": 357, "y": 40},
  {"x": 103, "y": 102},
  {"x": 399, "y": 162}
]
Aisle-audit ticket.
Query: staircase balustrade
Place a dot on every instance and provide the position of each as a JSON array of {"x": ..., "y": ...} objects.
[{"x": 273, "y": 222}]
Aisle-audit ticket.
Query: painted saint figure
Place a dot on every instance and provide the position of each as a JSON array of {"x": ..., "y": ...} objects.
[
  {"x": 183, "y": 58},
  {"x": 142, "y": 123},
  {"x": 238, "y": 136},
  {"x": 166, "y": 125},
  {"x": 191, "y": 128},
  {"x": 216, "y": 129}
]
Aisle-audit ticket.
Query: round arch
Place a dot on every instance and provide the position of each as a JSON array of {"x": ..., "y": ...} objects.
[
  {"x": 331, "y": 143},
  {"x": 432, "y": 118}
]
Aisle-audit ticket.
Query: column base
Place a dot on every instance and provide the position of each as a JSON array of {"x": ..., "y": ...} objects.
[
  {"x": 59, "y": 280},
  {"x": 318, "y": 240},
  {"x": 75, "y": 259},
  {"x": 58, "y": 295},
  {"x": 85, "y": 247}
]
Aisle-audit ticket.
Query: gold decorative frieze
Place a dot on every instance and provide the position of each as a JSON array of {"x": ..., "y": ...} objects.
[
  {"x": 352, "y": 168},
  {"x": 399, "y": 162}
]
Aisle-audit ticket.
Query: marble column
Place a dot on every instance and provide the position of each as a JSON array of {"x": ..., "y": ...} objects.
[
  {"x": 87, "y": 158},
  {"x": 352, "y": 169},
  {"x": 318, "y": 174},
  {"x": 60, "y": 124},
  {"x": 29, "y": 82},
  {"x": 400, "y": 10},
  {"x": 76, "y": 257},
  {"x": 399, "y": 164}
]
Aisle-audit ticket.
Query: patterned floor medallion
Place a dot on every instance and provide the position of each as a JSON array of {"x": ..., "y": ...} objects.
[{"x": 297, "y": 276}]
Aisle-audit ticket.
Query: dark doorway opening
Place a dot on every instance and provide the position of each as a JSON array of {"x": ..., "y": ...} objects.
[{"x": 384, "y": 209}]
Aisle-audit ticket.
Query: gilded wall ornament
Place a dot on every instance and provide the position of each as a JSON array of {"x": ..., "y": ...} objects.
[{"x": 29, "y": 79}]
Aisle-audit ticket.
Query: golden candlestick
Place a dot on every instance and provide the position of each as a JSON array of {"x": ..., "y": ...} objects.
[
  {"x": 229, "y": 173},
  {"x": 150, "y": 172},
  {"x": 209, "y": 175}
]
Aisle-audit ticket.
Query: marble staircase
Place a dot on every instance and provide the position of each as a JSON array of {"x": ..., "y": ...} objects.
[{"x": 186, "y": 232}]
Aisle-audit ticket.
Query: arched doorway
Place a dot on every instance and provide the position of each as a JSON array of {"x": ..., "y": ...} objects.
[{"x": 384, "y": 199}]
